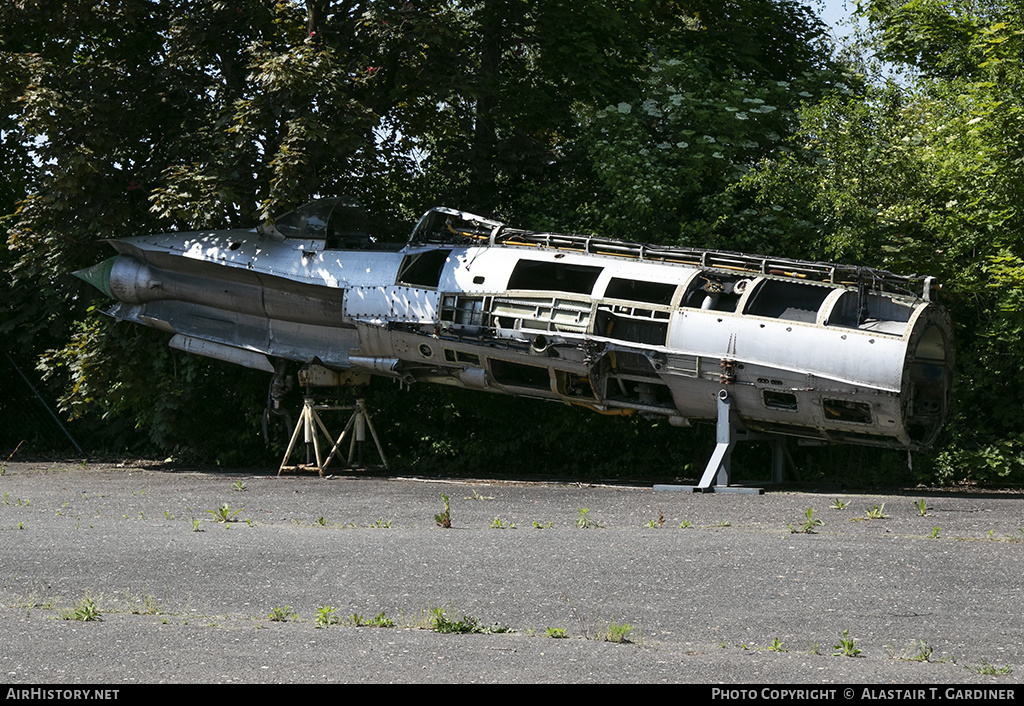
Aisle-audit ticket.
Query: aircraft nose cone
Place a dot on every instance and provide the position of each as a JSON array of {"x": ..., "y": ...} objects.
[{"x": 98, "y": 275}]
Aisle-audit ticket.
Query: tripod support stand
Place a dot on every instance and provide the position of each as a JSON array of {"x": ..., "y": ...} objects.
[{"x": 311, "y": 426}]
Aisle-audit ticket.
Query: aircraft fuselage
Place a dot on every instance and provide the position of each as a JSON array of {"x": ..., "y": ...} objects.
[{"x": 807, "y": 349}]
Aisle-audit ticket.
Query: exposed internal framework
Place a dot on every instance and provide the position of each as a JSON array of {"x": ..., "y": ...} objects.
[{"x": 808, "y": 349}]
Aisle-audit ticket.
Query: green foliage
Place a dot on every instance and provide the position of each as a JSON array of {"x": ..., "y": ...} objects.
[
  {"x": 444, "y": 518},
  {"x": 477, "y": 496},
  {"x": 441, "y": 622},
  {"x": 809, "y": 525},
  {"x": 668, "y": 157},
  {"x": 583, "y": 520},
  {"x": 877, "y": 512},
  {"x": 641, "y": 119},
  {"x": 225, "y": 514},
  {"x": 85, "y": 610},
  {"x": 382, "y": 621},
  {"x": 923, "y": 652},
  {"x": 990, "y": 669},
  {"x": 110, "y": 370},
  {"x": 846, "y": 647},
  {"x": 617, "y": 632},
  {"x": 280, "y": 614},
  {"x": 325, "y": 617},
  {"x": 378, "y": 621},
  {"x": 660, "y": 522},
  {"x": 925, "y": 175}
]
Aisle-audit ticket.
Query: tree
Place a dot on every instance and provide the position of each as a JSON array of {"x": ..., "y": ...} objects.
[
  {"x": 926, "y": 176},
  {"x": 632, "y": 118},
  {"x": 713, "y": 91},
  {"x": 107, "y": 100}
]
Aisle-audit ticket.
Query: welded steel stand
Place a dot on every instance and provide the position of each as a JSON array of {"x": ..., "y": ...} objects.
[
  {"x": 729, "y": 432},
  {"x": 309, "y": 422}
]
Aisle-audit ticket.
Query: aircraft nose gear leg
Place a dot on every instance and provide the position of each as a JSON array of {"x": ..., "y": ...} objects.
[{"x": 280, "y": 385}]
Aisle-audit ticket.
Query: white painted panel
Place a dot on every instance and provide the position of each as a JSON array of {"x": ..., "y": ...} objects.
[{"x": 847, "y": 355}]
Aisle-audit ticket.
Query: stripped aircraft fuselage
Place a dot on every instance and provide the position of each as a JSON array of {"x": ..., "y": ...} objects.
[{"x": 807, "y": 349}]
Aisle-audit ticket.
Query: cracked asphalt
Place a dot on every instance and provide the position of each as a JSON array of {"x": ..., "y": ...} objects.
[{"x": 714, "y": 588}]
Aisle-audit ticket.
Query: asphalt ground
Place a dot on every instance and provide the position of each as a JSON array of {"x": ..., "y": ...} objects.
[{"x": 712, "y": 589}]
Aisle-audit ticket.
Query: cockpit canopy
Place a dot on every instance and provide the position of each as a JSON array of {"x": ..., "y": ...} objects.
[
  {"x": 341, "y": 223},
  {"x": 446, "y": 225}
]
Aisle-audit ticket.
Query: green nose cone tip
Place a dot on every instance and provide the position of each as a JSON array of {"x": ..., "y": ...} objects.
[{"x": 98, "y": 275}]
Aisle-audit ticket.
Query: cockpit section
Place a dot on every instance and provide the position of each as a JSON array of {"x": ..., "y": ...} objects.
[
  {"x": 340, "y": 223},
  {"x": 446, "y": 225}
]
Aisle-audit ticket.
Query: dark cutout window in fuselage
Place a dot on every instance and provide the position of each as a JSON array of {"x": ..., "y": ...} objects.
[
  {"x": 791, "y": 301},
  {"x": 774, "y": 399},
  {"x": 630, "y": 328},
  {"x": 517, "y": 375},
  {"x": 453, "y": 356},
  {"x": 640, "y": 291},
  {"x": 651, "y": 394},
  {"x": 846, "y": 411},
  {"x": 870, "y": 311},
  {"x": 463, "y": 310},
  {"x": 422, "y": 269},
  {"x": 554, "y": 277}
]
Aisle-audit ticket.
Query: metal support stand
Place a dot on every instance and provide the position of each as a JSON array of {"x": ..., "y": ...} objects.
[
  {"x": 729, "y": 432},
  {"x": 309, "y": 423}
]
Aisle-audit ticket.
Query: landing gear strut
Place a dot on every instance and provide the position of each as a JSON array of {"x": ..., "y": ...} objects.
[{"x": 280, "y": 385}]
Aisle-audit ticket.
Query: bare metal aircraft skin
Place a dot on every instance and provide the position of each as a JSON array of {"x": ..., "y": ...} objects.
[{"x": 807, "y": 349}]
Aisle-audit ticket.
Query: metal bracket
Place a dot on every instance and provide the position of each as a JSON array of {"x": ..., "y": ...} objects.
[{"x": 729, "y": 432}]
